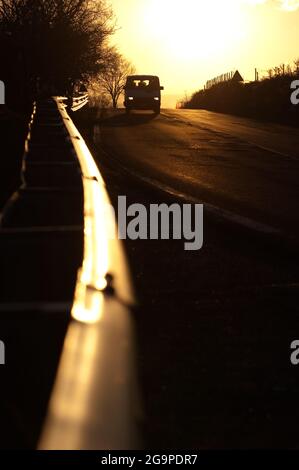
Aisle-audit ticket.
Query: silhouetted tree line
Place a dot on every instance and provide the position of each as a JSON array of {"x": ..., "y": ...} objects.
[
  {"x": 47, "y": 46},
  {"x": 266, "y": 99}
]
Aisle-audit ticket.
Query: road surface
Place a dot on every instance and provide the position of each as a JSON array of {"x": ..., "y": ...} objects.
[
  {"x": 214, "y": 327},
  {"x": 242, "y": 166}
]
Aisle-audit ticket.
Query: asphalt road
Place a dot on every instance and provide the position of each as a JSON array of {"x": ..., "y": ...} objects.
[
  {"x": 239, "y": 165},
  {"x": 214, "y": 327}
]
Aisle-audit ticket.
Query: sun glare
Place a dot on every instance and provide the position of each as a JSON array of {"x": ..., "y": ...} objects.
[{"x": 196, "y": 28}]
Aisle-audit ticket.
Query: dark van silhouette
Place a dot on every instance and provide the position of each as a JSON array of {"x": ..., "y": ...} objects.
[{"x": 143, "y": 92}]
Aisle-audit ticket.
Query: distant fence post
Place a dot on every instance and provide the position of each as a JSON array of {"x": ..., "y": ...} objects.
[
  {"x": 2, "y": 92},
  {"x": 226, "y": 77}
]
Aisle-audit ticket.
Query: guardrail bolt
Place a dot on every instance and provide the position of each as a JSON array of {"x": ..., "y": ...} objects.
[{"x": 110, "y": 287}]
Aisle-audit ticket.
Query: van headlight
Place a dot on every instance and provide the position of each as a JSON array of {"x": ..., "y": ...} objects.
[
  {"x": 157, "y": 98},
  {"x": 130, "y": 98}
]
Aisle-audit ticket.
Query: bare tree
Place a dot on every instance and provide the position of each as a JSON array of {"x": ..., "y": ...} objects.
[
  {"x": 282, "y": 68},
  {"x": 60, "y": 41},
  {"x": 289, "y": 70},
  {"x": 276, "y": 71},
  {"x": 113, "y": 78}
]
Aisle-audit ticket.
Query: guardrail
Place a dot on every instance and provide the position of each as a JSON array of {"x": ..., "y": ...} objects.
[
  {"x": 74, "y": 103},
  {"x": 79, "y": 102},
  {"x": 95, "y": 402}
]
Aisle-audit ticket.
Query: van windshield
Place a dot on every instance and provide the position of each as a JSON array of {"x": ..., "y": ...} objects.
[{"x": 150, "y": 83}]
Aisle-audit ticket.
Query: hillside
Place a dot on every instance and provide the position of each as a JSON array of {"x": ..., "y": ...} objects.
[{"x": 268, "y": 99}]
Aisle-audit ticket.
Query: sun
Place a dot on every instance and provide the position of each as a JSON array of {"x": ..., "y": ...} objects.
[{"x": 195, "y": 28}]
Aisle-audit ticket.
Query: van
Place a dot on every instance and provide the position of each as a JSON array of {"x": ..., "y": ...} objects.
[{"x": 143, "y": 92}]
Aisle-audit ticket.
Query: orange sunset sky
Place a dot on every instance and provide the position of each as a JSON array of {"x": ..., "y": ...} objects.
[{"x": 187, "y": 42}]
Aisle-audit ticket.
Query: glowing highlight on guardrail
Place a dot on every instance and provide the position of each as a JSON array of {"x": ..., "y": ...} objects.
[
  {"x": 93, "y": 404},
  {"x": 103, "y": 257}
]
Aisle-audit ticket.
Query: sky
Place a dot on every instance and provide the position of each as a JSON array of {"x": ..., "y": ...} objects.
[{"x": 187, "y": 42}]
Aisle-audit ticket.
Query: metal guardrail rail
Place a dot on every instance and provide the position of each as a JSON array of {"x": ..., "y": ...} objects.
[
  {"x": 94, "y": 404},
  {"x": 75, "y": 103}
]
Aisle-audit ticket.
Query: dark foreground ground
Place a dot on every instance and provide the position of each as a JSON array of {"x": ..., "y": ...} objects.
[
  {"x": 214, "y": 329},
  {"x": 39, "y": 258},
  {"x": 13, "y": 128}
]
